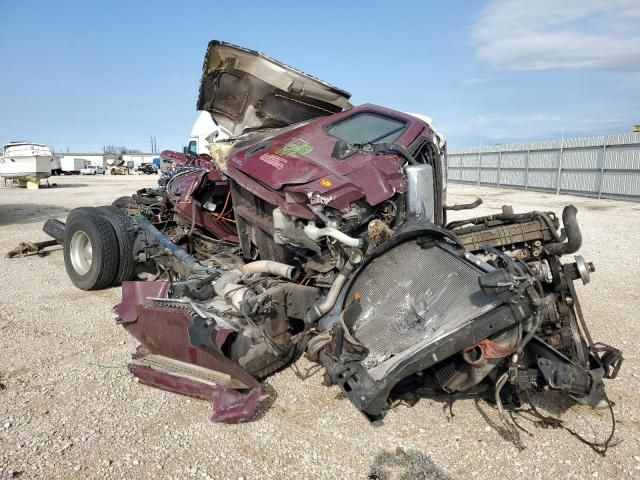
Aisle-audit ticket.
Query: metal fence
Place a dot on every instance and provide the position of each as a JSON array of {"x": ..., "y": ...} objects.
[{"x": 603, "y": 167}]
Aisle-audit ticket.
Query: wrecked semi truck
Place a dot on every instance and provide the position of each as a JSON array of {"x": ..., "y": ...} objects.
[{"x": 320, "y": 228}]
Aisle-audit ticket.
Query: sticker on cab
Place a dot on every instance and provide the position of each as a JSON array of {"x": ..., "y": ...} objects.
[
  {"x": 299, "y": 147},
  {"x": 275, "y": 161}
]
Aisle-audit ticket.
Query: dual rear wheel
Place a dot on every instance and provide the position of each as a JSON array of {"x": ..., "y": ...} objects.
[{"x": 99, "y": 247}]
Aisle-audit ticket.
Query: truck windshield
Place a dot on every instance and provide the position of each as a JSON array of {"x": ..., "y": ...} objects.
[{"x": 366, "y": 127}]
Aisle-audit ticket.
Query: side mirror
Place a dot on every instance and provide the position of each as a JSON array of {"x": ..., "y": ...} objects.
[{"x": 342, "y": 150}]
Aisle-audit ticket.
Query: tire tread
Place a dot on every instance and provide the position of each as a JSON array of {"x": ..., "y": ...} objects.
[{"x": 126, "y": 238}]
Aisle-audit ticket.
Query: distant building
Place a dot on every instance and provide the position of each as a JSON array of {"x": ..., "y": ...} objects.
[
  {"x": 134, "y": 160},
  {"x": 92, "y": 158}
]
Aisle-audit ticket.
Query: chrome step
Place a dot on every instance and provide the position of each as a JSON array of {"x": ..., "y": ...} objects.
[{"x": 177, "y": 368}]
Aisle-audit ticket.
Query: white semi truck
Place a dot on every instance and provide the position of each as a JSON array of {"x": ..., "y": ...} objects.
[{"x": 204, "y": 132}]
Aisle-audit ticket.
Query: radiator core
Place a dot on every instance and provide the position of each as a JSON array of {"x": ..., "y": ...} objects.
[{"x": 409, "y": 294}]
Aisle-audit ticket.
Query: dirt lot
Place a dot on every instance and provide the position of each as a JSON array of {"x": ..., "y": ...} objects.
[{"x": 69, "y": 408}]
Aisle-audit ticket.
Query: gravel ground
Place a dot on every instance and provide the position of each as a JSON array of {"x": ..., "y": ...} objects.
[{"x": 69, "y": 408}]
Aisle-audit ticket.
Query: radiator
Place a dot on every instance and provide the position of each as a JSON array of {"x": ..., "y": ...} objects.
[{"x": 409, "y": 294}]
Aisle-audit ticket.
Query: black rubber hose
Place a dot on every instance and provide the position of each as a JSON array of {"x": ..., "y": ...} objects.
[
  {"x": 552, "y": 228},
  {"x": 384, "y": 148},
  {"x": 464, "y": 206},
  {"x": 572, "y": 231},
  {"x": 530, "y": 333}
]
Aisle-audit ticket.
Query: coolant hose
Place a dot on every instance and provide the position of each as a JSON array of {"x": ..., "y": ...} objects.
[
  {"x": 315, "y": 233},
  {"x": 318, "y": 311},
  {"x": 572, "y": 231},
  {"x": 271, "y": 267},
  {"x": 260, "y": 266}
]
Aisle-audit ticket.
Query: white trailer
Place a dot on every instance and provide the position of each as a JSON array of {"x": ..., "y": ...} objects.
[
  {"x": 56, "y": 164},
  {"x": 72, "y": 166}
]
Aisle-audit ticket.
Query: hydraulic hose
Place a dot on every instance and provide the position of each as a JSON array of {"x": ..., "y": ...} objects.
[
  {"x": 384, "y": 148},
  {"x": 534, "y": 328},
  {"x": 572, "y": 231},
  {"x": 156, "y": 236}
]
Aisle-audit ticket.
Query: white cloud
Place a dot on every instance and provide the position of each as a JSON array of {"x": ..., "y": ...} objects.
[
  {"x": 511, "y": 126},
  {"x": 482, "y": 120},
  {"x": 475, "y": 81},
  {"x": 568, "y": 34},
  {"x": 497, "y": 128}
]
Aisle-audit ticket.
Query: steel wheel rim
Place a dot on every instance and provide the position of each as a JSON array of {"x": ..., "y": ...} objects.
[{"x": 81, "y": 252}]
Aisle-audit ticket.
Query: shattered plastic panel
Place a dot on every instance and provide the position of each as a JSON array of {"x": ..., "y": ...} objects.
[{"x": 168, "y": 332}]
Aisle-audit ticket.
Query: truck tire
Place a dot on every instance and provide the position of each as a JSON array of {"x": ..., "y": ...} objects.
[
  {"x": 54, "y": 228},
  {"x": 122, "y": 202},
  {"x": 125, "y": 232},
  {"x": 78, "y": 211},
  {"x": 90, "y": 249}
]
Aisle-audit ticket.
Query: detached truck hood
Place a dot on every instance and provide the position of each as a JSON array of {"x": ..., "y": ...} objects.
[{"x": 245, "y": 90}]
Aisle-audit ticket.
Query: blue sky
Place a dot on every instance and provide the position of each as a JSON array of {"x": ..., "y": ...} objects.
[{"x": 81, "y": 74}]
